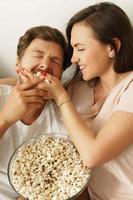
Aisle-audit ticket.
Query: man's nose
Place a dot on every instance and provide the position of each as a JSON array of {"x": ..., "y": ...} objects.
[{"x": 45, "y": 63}]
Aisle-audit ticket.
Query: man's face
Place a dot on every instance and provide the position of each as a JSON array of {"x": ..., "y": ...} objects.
[
  {"x": 45, "y": 56},
  {"x": 41, "y": 56}
]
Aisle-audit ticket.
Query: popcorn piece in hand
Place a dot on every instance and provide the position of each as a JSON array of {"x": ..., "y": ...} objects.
[{"x": 38, "y": 74}]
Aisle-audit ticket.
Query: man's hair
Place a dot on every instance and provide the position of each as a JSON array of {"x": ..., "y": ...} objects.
[
  {"x": 45, "y": 33},
  {"x": 108, "y": 21}
]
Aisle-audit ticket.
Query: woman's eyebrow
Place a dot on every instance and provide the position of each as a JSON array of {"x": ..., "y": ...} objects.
[{"x": 77, "y": 44}]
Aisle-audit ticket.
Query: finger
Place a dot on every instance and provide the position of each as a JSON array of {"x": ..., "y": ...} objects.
[
  {"x": 19, "y": 198},
  {"x": 33, "y": 77},
  {"x": 23, "y": 76},
  {"x": 43, "y": 86},
  {"x": 17, "y": 69},
  {"x": 33, "y": 99},
  {"x": 29, "y": 84},
  {"x": 48, "y": 96},
  {"x": 47, "y": 83},
  {"x": 48, "y": 77},
  {"x": 29, "y": 74},
  {"x": 35, "y": 92},
  {"x": 18, "y": 81}
]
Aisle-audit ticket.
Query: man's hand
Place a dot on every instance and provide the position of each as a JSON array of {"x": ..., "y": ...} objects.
[
  {"x": 17, "y": 103},
  {"x": 34, "y": 109}
]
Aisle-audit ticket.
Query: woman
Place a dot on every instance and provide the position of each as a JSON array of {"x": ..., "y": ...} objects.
[{"x": 101, "y": 39}]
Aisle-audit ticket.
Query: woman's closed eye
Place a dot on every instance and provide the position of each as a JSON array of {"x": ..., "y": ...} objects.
[
  {"x": 82, "y": 49},
  {"x": 79, "y": 47}
]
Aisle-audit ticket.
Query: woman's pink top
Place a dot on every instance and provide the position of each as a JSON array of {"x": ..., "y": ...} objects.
[{"x": 113, "y": 180}]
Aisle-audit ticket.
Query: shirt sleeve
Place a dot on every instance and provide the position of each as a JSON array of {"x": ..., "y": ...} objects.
[
  {"x": 125, "y": 102},
  {"x": 4, "y": 92},
  {"x": 6, "y": 192}
]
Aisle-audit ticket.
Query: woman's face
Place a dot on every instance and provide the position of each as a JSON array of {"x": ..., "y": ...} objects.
[
  {"x": 45, "y": 56},
  {"x": 89, "y": 54}
]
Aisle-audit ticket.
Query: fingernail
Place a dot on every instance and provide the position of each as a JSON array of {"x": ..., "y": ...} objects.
[
  {"x": 33, "y": 78},
  {"x": 44, "y": 73},
  {"x": 42, "y": 77},
  {"x": 27, "y": 70},
  {"x": 22, "y": 69},
  {"x": 48, "y": 81},
  {"x": 17, "y": 70}
]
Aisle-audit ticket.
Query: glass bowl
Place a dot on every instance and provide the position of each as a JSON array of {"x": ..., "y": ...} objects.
[{"x": 47, "y": 167}]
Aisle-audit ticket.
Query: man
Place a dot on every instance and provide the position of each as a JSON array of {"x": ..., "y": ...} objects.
[{"x": 40, "y": 49}]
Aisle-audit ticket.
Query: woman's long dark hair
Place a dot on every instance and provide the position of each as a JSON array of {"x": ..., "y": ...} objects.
[{"x": 108, "y": 21}]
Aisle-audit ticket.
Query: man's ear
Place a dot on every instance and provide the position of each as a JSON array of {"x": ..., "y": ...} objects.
[
  {"x": 17, "y": 61},
  {"x": 17, "y": 64}
]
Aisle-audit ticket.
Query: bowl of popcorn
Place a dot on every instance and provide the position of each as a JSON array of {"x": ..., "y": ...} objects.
[{"x": 48, "y": 167}]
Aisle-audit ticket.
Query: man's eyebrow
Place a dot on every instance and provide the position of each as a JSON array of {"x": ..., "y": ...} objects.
[
  {"x": 37, "y": 51},
  {"x": 53, "y": 57},
  {"x": 57, "y": 58}
]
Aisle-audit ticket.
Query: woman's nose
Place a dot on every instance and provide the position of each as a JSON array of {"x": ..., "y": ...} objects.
[{"x": 74, "y": 59}]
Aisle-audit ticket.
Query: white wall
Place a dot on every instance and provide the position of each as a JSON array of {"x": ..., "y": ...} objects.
[{"x": 16, "y": 16}]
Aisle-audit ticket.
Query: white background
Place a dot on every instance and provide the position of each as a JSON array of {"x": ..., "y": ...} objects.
[{"x": 16, "y": 16}]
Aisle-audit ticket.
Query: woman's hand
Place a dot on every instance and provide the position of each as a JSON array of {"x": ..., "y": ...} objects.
[
  {"x": 19, "y": 198},
  {"x": 55, "y": 89},
  {"x": 52, "y": 86}
]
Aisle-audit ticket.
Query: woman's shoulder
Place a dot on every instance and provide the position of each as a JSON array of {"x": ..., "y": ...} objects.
[
  {"x": 125, "y": 97},
  {"x": 126, "y": 84}
]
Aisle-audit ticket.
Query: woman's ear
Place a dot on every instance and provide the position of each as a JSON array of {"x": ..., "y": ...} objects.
[
  {"x": 117, "y": 44},
  {"x": 113, "y": 51}
]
